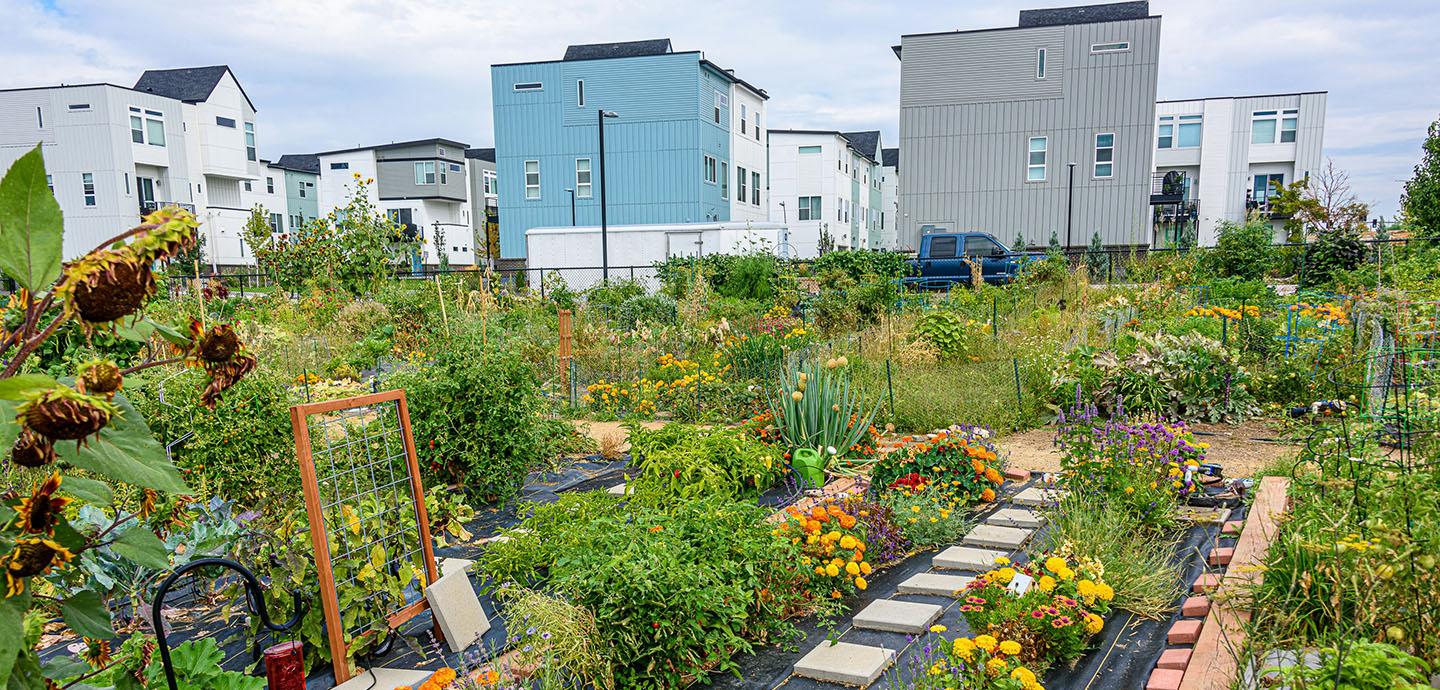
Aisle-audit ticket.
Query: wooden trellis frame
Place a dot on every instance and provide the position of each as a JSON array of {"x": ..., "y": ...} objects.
[{"x": 338, "y": 412}]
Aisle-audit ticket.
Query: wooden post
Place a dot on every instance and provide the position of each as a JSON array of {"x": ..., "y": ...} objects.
[{"x": 565, "y": 350}]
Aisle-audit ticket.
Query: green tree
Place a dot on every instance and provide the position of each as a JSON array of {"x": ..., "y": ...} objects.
[
  {"x": 1421, "y": 200},
  {"x": 1334, "y": 218},
  {"x": 1241, "y": 251},
  {"x": 1096, "y": 259}
]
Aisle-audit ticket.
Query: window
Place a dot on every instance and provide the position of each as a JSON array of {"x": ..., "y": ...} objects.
[
  {"x": 250, "y": 142},
  {"x": 442, "y": 175},
  {"x": 755, "y": 188},
  {"x": 980, "y": 246},
  {"x": 1179, "y": 131},
  {"x": 1288, "y": 124},
  {"x": 225, "y": 122},
  {"x": 154, "y": 131},
  {"x": 1105, "y": 155},
  {"x": 127, "y": 184},
  {"x": 247, "y": 186},
  {"x": 809, "y": 149},
  {"x": 583, "y": 188},
  {"x": 740, "y": 179},
  {"x": 721, "y": 101},
  {"x": 724, "y": 180},
  {"x": 529, "y": 86},
  {"x": 150, "y": 129},
  {"x": 50, "y": 182},
  {"x": 39, "y": 117},
  {"x": 339, "y": 166},
  {"x": 942, "y": 247},
  {"x": 757, "y": 125},
  {"x": 77, "y": 107},
  {"x": 277, "y": 224},
  {"x": 532, "y": 179},
  {"x": 1040, "y": 63},
  {"x": 487, "y": 179},
  {"x": 744, "y": 113},
  {"x": 710, "y": 169},
  {"x": 579, "y": 93},
  {"x": 1265, "y": 125},
  {"x": 424, "y": 172},
  {"x": 87, "y": 181},
  {"x": 270, "y": 185},
  {"x": 301, "y": 188},
  {"x": 454, "y": 167},
  {"x": 137, "y": 129},
  {"x": 1035, "y": 163},
  {"x": 809, "y": 208},
  {"x": 1265, "y": 186},
  {"x": 1190, "y": 126},
  {"x": 1118, "y": 47}
]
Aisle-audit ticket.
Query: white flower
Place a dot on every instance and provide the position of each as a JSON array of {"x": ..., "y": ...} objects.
[
  {"x": 982, "y": 433},
  {"x": 830, "y": 450}
]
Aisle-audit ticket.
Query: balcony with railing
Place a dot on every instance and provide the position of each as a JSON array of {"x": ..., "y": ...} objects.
[
  {"x": 1265, "y": 206},
  {"x": 1170, "y": 187},
  {"x": 148, "y": 207}
]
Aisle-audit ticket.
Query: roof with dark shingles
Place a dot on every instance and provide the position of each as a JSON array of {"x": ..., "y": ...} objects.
[
  {"x": 482, "y": 154},
  {"x": 597, "y": 51},
  {"x": 867, "y": 143},
  {"x": 1085, "y": 14},
  {"x": 188, "y": 84},
  {"x": 891, "y": 157},
  {"x": 300, "y": 162}
]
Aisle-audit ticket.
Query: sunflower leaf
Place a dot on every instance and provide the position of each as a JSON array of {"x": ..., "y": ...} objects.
[
  {"x": 86, "y": 614},
  {"x": 140, "y": 545},
  {"x": 12, "y": 630},
  {"x": 126, "y": 451},
  {"x": 31, "y": 229},
  {"x": 88, "y": 490},
  {"x": 17, "y": 386}
]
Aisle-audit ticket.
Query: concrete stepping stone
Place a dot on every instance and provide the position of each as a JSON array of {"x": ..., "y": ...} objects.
[
  {"x": 966, "y": 558},
  {"x": 619, "y": 489},
  {"x": 856, "y": 665},
  {"x": 457, "y": 610},
  {"x": 384, "y": 678},
  {"x": 454, "y": 565},
  {"x": 890, "y": 615},
  {"x": 1007, "y": 538},
  {"x": 1036, "y": 496},
  {"x": 934, "y": 584},
  {"x": 1016, "y": 517}
]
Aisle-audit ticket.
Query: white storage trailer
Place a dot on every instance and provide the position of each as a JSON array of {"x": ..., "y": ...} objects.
[{"x": 574, "y": 252}]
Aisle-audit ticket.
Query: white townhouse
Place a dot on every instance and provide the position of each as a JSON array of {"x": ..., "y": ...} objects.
[
  {"x": 1224, "y": 157},
  {"x": 750, "y": 200},
  {"x": 113, "y": 153},
  {"x": 825, "y": 182}
]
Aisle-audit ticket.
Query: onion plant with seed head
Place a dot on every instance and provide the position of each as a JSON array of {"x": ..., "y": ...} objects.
[{"x": 816, "y": 405}]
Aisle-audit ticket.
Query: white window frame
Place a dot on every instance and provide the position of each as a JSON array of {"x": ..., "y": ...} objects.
[
  {"x": 711, "y": 169},
  {"x": 724, "y": 180},
  {"x": 755, "y": 187},
  {"x": 1095, "y": 168},
  {"x": 137, "y": 127},
  {"x": 1291, "y": 116},
  {"x": 814, "y": 149},
  {"x": 425, "y": 173},
  {"x": 487, "y": 180},
  {"x": 579, "y": 93},
  {"x": 722, "y": 102},
  {"x": 742, "y": 178},
  {"x": 1040, "y": 56},
  {"x": 809, "y": 208},
  {"x": 1279, "y": 116},
  {"x": 251, "y": 153},
  {"x": 744, "y": 112},
  {"x": 757, "y": 125},
  {"x": 586, "y": 189},
  {"x": 269, "y": 185},
  {"x": 1111, "y": 47},
  {"x": 87, "y": 189},
  {"x": 1043, "y": 165},
  {"x": 248, "y": 186},
  {"x": 528, "y": 186}
]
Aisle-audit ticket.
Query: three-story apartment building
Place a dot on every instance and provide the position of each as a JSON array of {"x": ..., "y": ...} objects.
[
  {"x": 302, "y": 191},
  {"x": 889, "y": 198},
  {"x": 825, "y": 183},
  {"x": 1040, "y": 128},
  {"x": 1221, "y": 159},
  {"x": 181, "y": 136},
  {"x": 421, "y": 185},
  {"x": 683, "y": 140},
  {"x": 484, "y": 201}
]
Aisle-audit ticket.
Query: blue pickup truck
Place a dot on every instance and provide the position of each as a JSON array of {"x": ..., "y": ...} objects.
[{"x": 941, "y": 261}]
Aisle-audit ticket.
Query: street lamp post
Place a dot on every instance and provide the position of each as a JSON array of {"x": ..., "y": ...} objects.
[
  {"x": 572, "y": 206},
  {"x": 600, "y": 116},
  {"x": 1069, "y": 206}
]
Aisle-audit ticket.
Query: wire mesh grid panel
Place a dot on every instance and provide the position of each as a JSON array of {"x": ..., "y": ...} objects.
[{"x": 366, "y": 509}]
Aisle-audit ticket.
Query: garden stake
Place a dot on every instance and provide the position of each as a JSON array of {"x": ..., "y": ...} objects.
[
  {"x": 890, "y": 387},
  {"x": 444, "y": 319},
  {"x": 1015, "y": 362}
]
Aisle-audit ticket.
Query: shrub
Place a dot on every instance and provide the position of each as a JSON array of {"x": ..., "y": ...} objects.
[
  {"x": 1244, "y": 251},
  {"x": 1357, "y": 665},
  {"x": 862, "y": 264},
  {"x": 947, "y": 331},
  {"x": 1330, "y": 254},
  {"x": 928, "y": 514},
  {"x": 752, "y": 277},
  {"x": 677, "y": 592},
  {"x": 1139, "y": 562},
  {"x": 1187, "y": 377},
  {"x": 641, "y": 309},
  {"x": 477, "y": 418}
]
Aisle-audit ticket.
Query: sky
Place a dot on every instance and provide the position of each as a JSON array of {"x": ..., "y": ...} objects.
[{"x": 328, "y": 74}]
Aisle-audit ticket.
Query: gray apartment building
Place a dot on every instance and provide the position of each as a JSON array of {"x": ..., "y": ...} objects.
[{"x": 1044, "y": 127}]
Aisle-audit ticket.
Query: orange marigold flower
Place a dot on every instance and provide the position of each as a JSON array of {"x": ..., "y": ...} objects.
[{"x": 987, "y": 495}]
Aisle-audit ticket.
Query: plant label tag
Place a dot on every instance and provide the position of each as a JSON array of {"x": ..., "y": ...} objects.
[{"x": 1020, "y": 584}]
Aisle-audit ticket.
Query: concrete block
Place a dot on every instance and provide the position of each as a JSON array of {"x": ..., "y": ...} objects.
[
  {"x": 966, "y": 558},
  {"x": 1016, "y": 517},
  {"x": 454, "y": 565},
  {"x": 934, "y": 584},
  {"x": 619, "y": 489},
  {"x": 1184, "y": 631},
  {"x": 1220, "y": 555},
  {"x": 1005, "y": 538},
  {"x": 856, "y": 665},
  {"x": 384, "y": 678},
  {"x": 1207, "y": 582},
  {"x": 1174, "y": 659},
  {"x": 458, "y": 611},
  {"x": 1036, "y": 496},
  {"x": 1195, "y": 607},
  {"x": 892, "y": 615},
  {"x": 1164, "y": 679}
]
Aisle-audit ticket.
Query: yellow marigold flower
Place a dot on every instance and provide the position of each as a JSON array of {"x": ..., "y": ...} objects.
[
  {"x": 1055, "y": 564},
  {"x": 1001, "y": 560},
  {"x": 1085, "y": 588},
  {"x": 1005, "y": 575},
  {"x": 1067, "y": 574},
  {"x": 1105, "y": 592},
  {"x": 963, "y": 646},
  {"x": 986, "y": 642},
  {"x": 853, "y": 568},
  {"x": 865, "y": 567},
  {"x": 995, "y": 666},
  {"x": 1093, "y": 623},
  {"x": 831, "y": 570},
  {"x": 1024, "y": 675},
  {"x": 847, "y": 542},
  {"x": 1010, "y": 647},
  {"x": 1046, "y": 584},
  {"x": 860, "y": 583},
  {"x": 937, "y": 628}
]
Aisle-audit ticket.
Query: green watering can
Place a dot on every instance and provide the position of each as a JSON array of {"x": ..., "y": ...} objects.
[{"x": 810, "y": 466}]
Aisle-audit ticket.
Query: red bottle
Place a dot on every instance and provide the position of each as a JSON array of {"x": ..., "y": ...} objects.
[{"x": 285, "y": 666}]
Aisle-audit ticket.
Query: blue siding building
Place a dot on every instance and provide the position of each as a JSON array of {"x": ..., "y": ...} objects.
[{"x": 667, "y": 154}]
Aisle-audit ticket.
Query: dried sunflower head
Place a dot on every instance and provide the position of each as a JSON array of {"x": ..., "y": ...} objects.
[
  {"x": 99, "y": 377},
  {"x": 38, "y": 512},
  {"x": 65, "y": 414},
  {"x": 167, "y": 232},
  {"x": 32, "y": 557},
  {"x": 220, "y": 353},
  {"x": 106, "y": 285},
  {"x": 223, "y": 376},
  {"x": 32, "y": 449},
  {"x": 97, "y": 653},
  {"x": 217, "y": 344}
]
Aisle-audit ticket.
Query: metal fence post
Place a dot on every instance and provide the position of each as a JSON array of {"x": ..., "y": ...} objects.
[
  {"x": 542, "y": 283},
  {"x": 995, "y": 317},
  {"x": 1019, "y": 403},
  {"x": 890, "y": 388}
]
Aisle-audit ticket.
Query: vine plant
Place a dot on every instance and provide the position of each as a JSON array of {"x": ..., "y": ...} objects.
[{"x": 49, "y": 428}]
